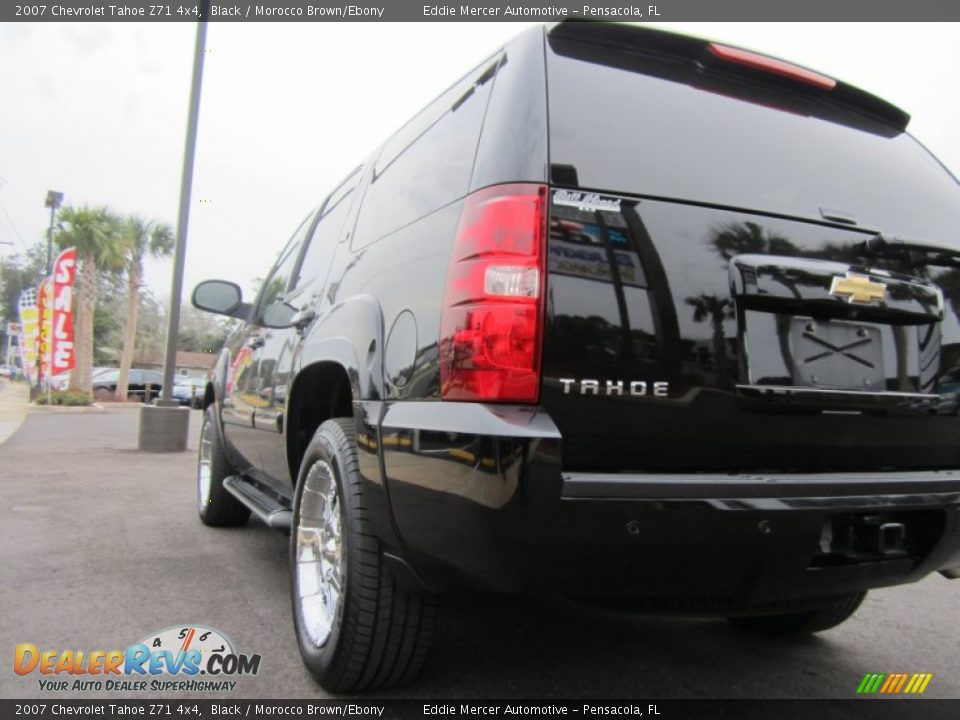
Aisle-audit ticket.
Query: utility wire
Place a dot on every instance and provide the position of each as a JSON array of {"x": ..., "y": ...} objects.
[{"x": 13, "y": 225}]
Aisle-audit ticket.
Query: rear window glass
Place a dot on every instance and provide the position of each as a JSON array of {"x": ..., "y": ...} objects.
[
  {"x": 428, "y": 162},
  {"x": 626, "y": 132}
]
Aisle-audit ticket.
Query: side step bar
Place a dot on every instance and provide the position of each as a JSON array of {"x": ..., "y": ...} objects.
[{"x": 271, "y": 507}]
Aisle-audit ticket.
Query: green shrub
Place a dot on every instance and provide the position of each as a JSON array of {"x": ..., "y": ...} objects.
[{"x": 64, "y": 397}]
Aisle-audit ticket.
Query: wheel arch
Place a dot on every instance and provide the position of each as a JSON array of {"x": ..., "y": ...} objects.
[
  {"x": 209, "y": 396},
  {"x": 320, "y": 391},
  {"x": 216, "y": 379},
  {"x": 340, "y": 361}
]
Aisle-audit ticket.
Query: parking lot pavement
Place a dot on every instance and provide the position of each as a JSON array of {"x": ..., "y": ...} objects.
[{"x": 100, "y": 546}]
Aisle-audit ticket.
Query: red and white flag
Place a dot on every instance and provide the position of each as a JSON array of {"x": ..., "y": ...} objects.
[{"x": 64, "y": 273}]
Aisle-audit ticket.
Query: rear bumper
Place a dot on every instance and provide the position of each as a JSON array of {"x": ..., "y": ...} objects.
[
  {"x": 493, "y": 508},
  {"x": 728, "y": 542}
]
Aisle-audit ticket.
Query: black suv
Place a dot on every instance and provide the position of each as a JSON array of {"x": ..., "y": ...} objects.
[
  {"x": 623, "y": 315},
  {"x": 144, "y": 385}
]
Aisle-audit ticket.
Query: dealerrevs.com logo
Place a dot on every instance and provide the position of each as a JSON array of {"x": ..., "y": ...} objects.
[{"x": 184, "y": 658}]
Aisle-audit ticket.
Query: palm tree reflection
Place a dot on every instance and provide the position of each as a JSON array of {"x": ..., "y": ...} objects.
[{"x": 717, "y": 311}]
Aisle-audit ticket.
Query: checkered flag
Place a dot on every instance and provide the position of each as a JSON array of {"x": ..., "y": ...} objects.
[{"x": 28, "y": 298}]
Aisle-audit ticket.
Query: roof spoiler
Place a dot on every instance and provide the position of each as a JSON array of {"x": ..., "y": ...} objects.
[{"x": 727, "y": 70}]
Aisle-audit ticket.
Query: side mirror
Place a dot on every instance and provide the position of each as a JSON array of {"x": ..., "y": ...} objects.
[
  {"x": 279, "y": 315},
  {"x": 221, "y": 297}
]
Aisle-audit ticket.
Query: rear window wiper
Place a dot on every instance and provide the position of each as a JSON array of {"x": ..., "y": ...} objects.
[{"x": 910, "y": 252}]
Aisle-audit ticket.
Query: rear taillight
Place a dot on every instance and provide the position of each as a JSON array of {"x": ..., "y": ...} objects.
[{"x": 491, "y": 327}]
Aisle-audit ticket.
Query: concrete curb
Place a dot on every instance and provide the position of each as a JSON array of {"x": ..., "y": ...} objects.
[
  {"x": 66, "y": 409},
  {"x": 13, "y": 408}
]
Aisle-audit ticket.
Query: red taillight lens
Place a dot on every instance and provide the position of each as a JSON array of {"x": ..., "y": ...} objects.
[
  {"x": 771, "y": 65},
  {"x": 492, "y": 319}
]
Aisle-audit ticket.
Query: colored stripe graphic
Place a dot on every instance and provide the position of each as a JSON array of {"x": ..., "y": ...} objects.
[
  {"x": 894, "y": 683},
  {"x": 870, "y": 683},
  {"x": 923, "y": 679}
]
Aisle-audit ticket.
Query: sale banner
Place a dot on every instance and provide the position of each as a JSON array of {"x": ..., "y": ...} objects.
[
  {"x": 29, "y": 333},
  {"x": 45, "y": 312},
  {"x": 64, "y": 273}
]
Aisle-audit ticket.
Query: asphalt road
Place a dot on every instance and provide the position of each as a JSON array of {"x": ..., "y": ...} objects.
[{"x": 100, "y": 545}]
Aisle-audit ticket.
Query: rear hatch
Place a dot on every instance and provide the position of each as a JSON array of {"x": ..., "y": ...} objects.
[{"x": 724, "y": 289}]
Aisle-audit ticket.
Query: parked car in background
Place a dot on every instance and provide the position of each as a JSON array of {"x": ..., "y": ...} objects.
[
  {"x": 61, "y": 381},
  {"x": 143, "y": 385},
  {"x": 189, "y": 391},
  {"x": 5, "y": 372}
]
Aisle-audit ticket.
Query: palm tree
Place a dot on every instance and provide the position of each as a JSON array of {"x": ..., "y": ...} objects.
[
  {"x": 101, "y": 245},
  {"x": 145, "y": 237}
]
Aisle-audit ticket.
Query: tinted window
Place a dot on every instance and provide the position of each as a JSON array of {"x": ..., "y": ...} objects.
[
  {"x": 624, "y": 131},
  {"x": 277, "y": 283},
  {"x": 327, "y": 233},
  {"x": 428, "y": 163}
]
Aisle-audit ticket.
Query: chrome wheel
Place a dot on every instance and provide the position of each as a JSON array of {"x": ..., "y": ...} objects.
[
  {"x": 203, "y": 465},
  {"x": 319, "y": 556}
]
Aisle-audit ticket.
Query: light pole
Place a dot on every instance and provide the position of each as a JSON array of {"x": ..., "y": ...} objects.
[
  {"x": 54, "y": 201},
  {"x": 7, "y": 322},
  {"x": 164, "y": 427}
]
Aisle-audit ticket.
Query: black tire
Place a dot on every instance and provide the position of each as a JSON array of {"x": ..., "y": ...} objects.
[
  {"x": 380, "y": 632},
  {"x": 216, "y": 507},
  {"x": 803, "y": 623}
]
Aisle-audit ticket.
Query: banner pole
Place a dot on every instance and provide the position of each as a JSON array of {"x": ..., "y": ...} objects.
[{"x": 48, "y": 365}]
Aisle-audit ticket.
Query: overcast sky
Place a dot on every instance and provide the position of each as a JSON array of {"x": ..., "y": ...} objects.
[{"x": 98, "y": 111}]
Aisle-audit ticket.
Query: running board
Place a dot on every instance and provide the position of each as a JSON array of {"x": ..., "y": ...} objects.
[{"x": 271, "y": 507}]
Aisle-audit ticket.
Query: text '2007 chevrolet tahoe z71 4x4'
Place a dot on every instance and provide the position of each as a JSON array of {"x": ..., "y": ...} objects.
[{"x": 622, "y": 315}]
